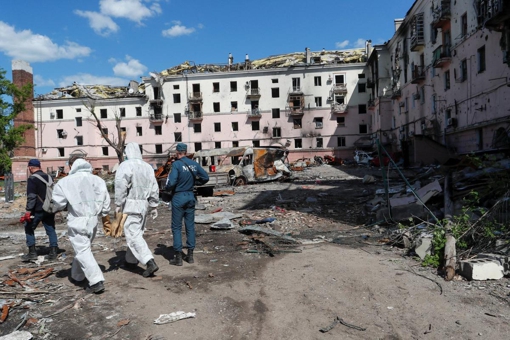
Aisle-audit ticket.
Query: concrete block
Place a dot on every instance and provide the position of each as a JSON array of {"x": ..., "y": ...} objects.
[
  {"x": 423, "y": 246},
  {"x": 481, "y": 269},
  {"x": 503, "y": 260}
]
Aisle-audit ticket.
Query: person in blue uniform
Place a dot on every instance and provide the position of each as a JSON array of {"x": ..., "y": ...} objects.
[{"x": 185, "y": 174}]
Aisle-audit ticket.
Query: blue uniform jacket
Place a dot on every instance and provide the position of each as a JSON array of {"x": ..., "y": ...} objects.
[{"x": 181, "y": 179}]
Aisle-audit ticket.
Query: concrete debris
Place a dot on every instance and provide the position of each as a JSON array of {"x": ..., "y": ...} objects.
[
  {"x": 481, "y": 269},
  {"x": 251, "y": 229},
  {"x": 17, "y": 335},
  {"x": 174, "y": 316},
  {"x": 423, "y": 246},
  {"x": 215, "y": 217},
  {"x": 94, "y": 92},
  {"x": 223, "y": 224}
]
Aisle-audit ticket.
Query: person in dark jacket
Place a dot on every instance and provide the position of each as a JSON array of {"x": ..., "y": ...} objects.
[
  {"x": 36, "y": 194},
  {"x": 183, "y": 177}
]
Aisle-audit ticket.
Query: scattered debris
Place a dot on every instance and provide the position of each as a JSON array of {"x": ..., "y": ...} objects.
[{"x": 172, "y": 317}]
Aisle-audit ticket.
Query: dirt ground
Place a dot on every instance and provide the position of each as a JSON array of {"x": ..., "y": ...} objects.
[{"x": 239, "y": 291}]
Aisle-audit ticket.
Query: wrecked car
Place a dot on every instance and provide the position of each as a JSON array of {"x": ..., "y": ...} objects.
[{"x": 245, "y": 164}]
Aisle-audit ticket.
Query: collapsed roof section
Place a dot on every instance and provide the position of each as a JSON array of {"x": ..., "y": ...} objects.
[
  {"x": 95, "y": 92},
  {"x": 276, "y": 61}
]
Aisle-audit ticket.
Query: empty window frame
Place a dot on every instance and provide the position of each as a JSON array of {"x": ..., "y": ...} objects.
[
  {"x": 318, "y": 122},
  {"x": 363, "y": 128},
  {"x": 61, "y": 152},
  {"x": 297, "y": 123},
  {"x": 361, "y": 75},
  {"x": 235, "y": 126},
  {"x": 362, "y": 88},
  {"x": 276, "y": 113},
  {"x": 275, "y": 92},
  {"x": 319, "y": 142},
  {"x": 255, "y": 125},
  {"x": 317, "y": 81},
  {"x": 274, "y": 81},
  {"x": 198, "y": 146},
  {"x": 176, "y": 87},
  {"x": 235, "y": 144},
  {"x": 103, "y": 113},
  {"x": 177, "y": 98},
  {"x": 481, "y": 59},
  {"x": 340, "y": 141},
  {"x": 217, "y": 145},
  {"x": 79, "y": 140},
  {"x": 105, "y": 150},
  {"x": 178, "y": 136},
  {"x": 340, "y": 121},
  {"x": 158, "y": 148},
  {"x": 463, "y": 25},
  {"x": 60, "y": 114},
  {"x": 277, "y": 132},
  {"x": 318, "y": 101},
  {"x": 104, "y": 131},
  {"x": 177, "y": 117},
  {"x": 79, "y": 121},
  {"x": 447, "y": 80},
  {"x": 78, "y": 110},
  {"x": 463, "y": 70},
  {"x": 339, "y": 79},
  {"x": 362, "y": 108},
  {"x": 233, "y": 106},
  {"x": 158, "y": 130},
  {"x": 216, "y": 107},
  {"x": 122, "y": 112},
  {"x": 139, "y": 131},
  {"x": 233, "y": 86},
  {"x": 197, "y": 128},
  {"x": 217, "y": 127},
  {"x": 60, "y": 133},
  {"x": 256, "y": 143},
  {"x": 216, "y": 87},
  {"x": 298, "y": 143},
  {"x": 138, "y": 111}
]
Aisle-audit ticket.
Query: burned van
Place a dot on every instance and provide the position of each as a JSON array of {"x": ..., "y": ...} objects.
[{"x": 245, "y": 164}]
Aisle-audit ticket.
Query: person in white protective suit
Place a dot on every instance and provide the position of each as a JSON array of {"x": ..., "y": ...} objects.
[
  {"x": 136, "y": 191},
  {"x": 86, "y": 197}
]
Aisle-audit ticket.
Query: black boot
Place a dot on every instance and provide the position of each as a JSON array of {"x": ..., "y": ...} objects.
[
  {"x": 96, "y": 288},
  {"x": 177, "y": 260},
  {"x": 31, "y": 256},
  {"x": 53, "y": 253},
  {"x": 152, "y": 267},
  {"x": 189, "y": 258}
]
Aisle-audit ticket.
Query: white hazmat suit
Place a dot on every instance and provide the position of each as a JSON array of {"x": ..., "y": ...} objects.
[
  {"x": 86, "y": 197},
  {"x": 136, "y": 189}
]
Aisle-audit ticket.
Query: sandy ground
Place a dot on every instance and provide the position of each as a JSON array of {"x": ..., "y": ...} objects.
[{"x": 240, "y": 295}]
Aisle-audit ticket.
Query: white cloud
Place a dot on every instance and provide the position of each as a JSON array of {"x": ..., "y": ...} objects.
[
  {"x": 40, "y": 81},
  {"x": 132, "y": 10},
  {"x": 342, "y": 44},
  {"x": 132, "y": 69},
  {"x": 100, "y": 23},
  {"x": 177, "y": 30},
  {"x": 359, "y": 43},
  {"x": 89, "y": 79},
  {"x": 32, "y": 47}
]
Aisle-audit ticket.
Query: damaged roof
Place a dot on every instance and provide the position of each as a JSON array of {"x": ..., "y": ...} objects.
[
  {"x": 95, "y": 92},
  {"x": 277, "y": 61}
]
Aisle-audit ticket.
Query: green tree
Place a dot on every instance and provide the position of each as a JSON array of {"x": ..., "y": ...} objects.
[{"x": 11, "y": 136}]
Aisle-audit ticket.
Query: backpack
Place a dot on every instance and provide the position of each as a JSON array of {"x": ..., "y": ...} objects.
[{"x": 47, "y": 203}]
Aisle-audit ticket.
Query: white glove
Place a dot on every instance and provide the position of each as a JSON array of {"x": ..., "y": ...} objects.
[
  {"x": 117, "y": 210},
  {"x": 154, "y": 213}
]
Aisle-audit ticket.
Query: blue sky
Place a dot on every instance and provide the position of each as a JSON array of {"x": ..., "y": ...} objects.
[{"x": 113, "y": 41}]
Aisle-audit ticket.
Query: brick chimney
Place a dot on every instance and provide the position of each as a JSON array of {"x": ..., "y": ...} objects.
[{"x": 22, "y": 75}]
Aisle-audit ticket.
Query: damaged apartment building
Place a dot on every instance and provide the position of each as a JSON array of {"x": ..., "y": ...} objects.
[{"x": 438, "y": 87}]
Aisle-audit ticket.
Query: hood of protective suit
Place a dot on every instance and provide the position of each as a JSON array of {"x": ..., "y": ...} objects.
[
  {"x": 80, "y": 165},
  {"x": 132, "y": 151}
]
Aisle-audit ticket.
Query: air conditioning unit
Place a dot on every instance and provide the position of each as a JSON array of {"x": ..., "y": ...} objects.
[
  {"x": 416, "y": 96},
  {"x": 402, "y": 104},
  {"x": 452, "y": 122},
  {"x": 330, "y": 99},
  {"x": 64, "y": 134},
  {"x": 265, "y": 129}
]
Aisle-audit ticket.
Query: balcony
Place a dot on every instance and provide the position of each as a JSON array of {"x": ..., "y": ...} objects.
[
  {"x": 254, "y": 113},
  {"x": 195, "y": 96},
  {"x": 338, "y": 108},
  {"x": 494, "y": 13},
  {"x": 441, "y": 15},
  {"x": 340, "y": 88},
  {"x": 418, "y": 75},
  {"x": 417, "y": 32},
  {"x": 253, "y": 92},
  {"x": 370, "y": 83},
  {"x": 195, "y": 115},
  {"x": 296, "y": 110},
  {"x": 441, "y": 56},
  {"x": 156, "y": 118},
  {"x": 296, "y": 90},
  {"x": 156, "y": 102},
  {"x": 371, "y": 104},
  {"x": 397, "y": 93}
]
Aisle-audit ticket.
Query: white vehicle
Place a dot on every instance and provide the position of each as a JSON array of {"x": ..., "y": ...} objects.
[{"x": 362, "y": 157}]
